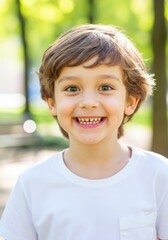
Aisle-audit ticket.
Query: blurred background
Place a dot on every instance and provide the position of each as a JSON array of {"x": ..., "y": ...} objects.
[{"x": 27, "y": 131}]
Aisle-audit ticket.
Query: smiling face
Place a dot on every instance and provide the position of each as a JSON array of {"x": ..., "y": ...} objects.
[{"x": 90, "y": 103}]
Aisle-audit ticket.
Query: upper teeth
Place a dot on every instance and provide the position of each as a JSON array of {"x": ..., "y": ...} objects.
[{"x": 89, "y": 120}]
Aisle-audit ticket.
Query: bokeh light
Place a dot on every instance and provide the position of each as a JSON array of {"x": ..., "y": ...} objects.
[{"x": 29, "y": 126}]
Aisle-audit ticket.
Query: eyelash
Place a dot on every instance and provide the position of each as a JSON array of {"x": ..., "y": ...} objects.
[
  {"x": 102, "y": 88},
  {"x": 72, "y": 88},
  {"x": 105, "y": 88}
]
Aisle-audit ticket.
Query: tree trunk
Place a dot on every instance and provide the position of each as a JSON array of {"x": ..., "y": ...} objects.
[
  {"x": 91, "y": 15},
  {"x": 160, "y": 125},
  {"x": 25, "y": 57}
]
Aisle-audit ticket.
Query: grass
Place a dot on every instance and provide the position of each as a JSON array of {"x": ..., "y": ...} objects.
[{"x": 39, "y": 115}]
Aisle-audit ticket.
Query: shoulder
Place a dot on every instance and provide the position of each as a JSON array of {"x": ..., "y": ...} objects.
[
  {"x": 150, "y": 158},
  {"x": 150, "y": 162},
  {"x": 41, "y": 170}
]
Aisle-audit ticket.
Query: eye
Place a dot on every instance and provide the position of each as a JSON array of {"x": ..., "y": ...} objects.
[
  {"x": 72, "y": 89},
  {"x": 105, "y": 88}
]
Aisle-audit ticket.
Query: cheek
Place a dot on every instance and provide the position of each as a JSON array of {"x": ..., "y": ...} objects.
[
  {"x": 115, "y": 105},
  {"x": 116, "y": 109},
  {"x": 64, "y": 107}
]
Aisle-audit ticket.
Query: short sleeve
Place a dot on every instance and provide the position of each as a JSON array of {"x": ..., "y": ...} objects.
[
  {"x": 162, "y": 213},
  {"x": 16, "y": 222}
]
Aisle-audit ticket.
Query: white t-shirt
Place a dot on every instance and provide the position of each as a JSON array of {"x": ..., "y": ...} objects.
[{"x": 49, "y": 202}]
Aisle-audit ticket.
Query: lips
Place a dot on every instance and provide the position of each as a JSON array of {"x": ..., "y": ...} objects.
[{"x": 89, "y": 121}]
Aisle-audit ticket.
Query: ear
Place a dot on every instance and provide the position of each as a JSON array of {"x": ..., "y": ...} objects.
[
  {"x": 131, "y": 104},
  {"x": 52, "y": 106}
]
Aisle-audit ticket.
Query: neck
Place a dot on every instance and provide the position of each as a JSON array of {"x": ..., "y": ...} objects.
[
  {"x": 96, "y": 161},
  {"x": 98, "y": 153}
]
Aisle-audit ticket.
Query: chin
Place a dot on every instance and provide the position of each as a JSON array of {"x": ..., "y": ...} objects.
[{"x": 90, "y": 141}]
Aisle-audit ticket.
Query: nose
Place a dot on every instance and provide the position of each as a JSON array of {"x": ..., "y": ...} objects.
[{"x": 89, "y": 100}]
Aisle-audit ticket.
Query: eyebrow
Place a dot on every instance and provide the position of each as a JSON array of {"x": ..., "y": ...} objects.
[
  {"x": 67, "y": 78},
  {"x": 102, "y": 76},
  {"x": 111, "y": 76}
]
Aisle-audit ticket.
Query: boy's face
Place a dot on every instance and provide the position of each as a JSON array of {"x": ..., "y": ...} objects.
[{"x": 90, "y": 103}]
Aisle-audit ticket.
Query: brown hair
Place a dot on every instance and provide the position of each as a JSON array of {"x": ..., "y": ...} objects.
[{"x": 111, "y": 47}]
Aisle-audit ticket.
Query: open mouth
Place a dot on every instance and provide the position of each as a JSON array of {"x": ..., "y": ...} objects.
[{"x": 89, "y": 121}]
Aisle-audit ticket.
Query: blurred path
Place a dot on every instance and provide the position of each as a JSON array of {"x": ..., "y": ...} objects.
[{"x": 14, "y": 161}]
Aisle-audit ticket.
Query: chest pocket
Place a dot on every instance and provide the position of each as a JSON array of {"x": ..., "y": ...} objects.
[{"x": 138, "y": 228}]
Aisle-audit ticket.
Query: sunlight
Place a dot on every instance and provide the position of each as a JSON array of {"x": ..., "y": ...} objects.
[
  {"x": 138, "y": 6},
  {"x": 66, "y": 6},
  {"x": 2, "y": 5},
  {"x": 166, "y": 9},
  {"x": 50, "y": 12},
  {"x": 12, "y": 100}
]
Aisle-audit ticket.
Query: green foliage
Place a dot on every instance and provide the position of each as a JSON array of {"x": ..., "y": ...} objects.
[
  {"x": 47, "y": 19},
  {"x": 9, "y": 22},
  {"x": 42, "y": 115},
  {"x": 133, "y": 16},
  {"x": 143, "y": 117}
]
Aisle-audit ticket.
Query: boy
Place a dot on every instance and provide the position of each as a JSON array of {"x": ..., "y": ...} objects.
[{"x": 93, "y": 80}]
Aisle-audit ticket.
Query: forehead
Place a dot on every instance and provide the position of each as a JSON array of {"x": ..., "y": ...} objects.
[{"x": 87, "y": 71}]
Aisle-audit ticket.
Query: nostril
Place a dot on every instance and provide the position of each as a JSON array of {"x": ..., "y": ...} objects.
[{"x": 89, "y": 103}]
